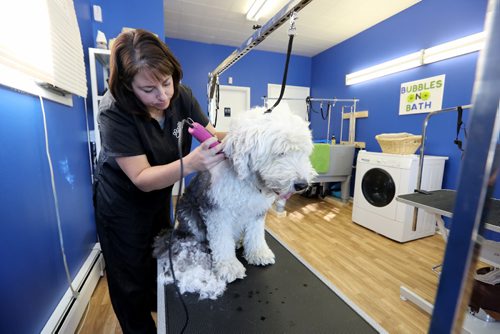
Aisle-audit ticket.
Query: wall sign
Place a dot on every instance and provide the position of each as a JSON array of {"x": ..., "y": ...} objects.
[{"x": 421, "y": 96}]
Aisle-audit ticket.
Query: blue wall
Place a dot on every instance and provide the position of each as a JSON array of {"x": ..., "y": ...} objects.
[
  {"x": 32, "y": 277},
  {"x": 255, "y": 70},
  {"x": 117, "y": 14},
  {"x": 424, "y": 25}
]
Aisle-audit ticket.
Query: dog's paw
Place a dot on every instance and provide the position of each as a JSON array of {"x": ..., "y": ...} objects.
[
  {"x": 230, "y": 270},
  {"x": 261, "y": 257}
]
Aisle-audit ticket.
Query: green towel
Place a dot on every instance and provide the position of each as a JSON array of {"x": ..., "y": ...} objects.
[{"x": 320, "y": 158}]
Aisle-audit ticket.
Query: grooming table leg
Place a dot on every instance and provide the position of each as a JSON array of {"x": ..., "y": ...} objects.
[
  {"x": 161, "y": 306},
  {"x": 406, "y": 294},
  {"x": 441, "y": 227}
]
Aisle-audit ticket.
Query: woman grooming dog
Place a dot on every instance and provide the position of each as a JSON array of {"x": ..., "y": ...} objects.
[{"x": 140, "y": 120}]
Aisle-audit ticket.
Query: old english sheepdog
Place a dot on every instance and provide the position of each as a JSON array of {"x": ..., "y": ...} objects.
[{"x": 225, "y": 207}]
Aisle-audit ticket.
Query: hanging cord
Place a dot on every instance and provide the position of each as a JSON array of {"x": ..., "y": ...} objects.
[
  {"x": 217, "y": 97},
  {"x": 311, "y": 108},
  {"x": 291, "y": 34},
  {"x": 457, "y": 141},
  {"x": 283, "y": 83},
  {"x": 171, "y": 263},
  {"x": 324, "y": 116},
  {"x": 56, "y": 202},
  {"x": 329, "y": 108},
  {"x": 308, "y": 107}
]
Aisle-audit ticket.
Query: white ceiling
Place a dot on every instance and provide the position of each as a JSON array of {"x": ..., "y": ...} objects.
[{"x": 320, "y": 25}]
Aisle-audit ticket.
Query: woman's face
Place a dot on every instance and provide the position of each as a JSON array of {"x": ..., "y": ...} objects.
[{"x": 154, "y": 94}]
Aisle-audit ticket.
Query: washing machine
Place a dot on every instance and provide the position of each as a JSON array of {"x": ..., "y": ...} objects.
[{"x": 380, "y": 178}]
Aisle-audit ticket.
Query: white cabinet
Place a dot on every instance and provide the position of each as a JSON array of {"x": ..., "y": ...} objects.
[{"x": 99, "y": 73}]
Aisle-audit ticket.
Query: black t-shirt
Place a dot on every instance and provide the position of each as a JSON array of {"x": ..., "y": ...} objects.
[{"x": 125, "y": 134}]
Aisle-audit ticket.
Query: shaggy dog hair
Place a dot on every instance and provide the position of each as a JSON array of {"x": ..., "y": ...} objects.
[{"x": 225, "y": 207}]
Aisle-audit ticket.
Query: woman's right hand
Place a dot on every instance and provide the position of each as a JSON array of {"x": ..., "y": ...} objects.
[{"x": 203, "y": 157}]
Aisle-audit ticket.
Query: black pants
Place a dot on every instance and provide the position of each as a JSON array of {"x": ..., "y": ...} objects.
[{"x": 126, "y": 242}]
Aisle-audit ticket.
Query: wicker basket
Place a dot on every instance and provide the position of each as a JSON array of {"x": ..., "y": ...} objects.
[{"x": 399, "y": 143}]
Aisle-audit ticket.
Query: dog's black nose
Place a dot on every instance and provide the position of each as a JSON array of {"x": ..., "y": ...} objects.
[{"x": 300, "y": 186}]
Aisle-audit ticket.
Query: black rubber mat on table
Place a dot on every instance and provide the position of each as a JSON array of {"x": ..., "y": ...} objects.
[
  {"x": 282, "y": 298},
  {"x": 443, "y": 200}
]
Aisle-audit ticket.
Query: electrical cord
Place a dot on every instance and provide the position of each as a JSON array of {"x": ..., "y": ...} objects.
[
  {"x": 171, "y": 263},
  {"x": 56, "y": 202}
]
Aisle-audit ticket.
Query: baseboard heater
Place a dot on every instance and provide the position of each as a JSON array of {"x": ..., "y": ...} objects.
[{"x": 69, "y": 311}]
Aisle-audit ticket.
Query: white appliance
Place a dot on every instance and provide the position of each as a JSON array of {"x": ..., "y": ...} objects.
[{"x": 380, "y": 178}]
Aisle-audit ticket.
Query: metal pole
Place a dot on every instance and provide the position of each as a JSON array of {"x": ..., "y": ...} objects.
[
  {"x": 329, "y": 111},
  {"x": 421, "y": 157},
  {"x": 333, "y": 100},
  {"x": 477, "y": 178},
  {"x": 424, "y": 131},
  {"x": 341, "y": 123}
]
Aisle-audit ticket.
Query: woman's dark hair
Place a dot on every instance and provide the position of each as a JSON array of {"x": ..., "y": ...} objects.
[{"x": 132, "y": 52}]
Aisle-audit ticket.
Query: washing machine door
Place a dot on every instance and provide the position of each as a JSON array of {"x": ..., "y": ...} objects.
[{"x": 378, "y": 187}]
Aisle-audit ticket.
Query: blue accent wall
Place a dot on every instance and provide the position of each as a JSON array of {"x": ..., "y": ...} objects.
[
  {"x": 423, "y": 25},
  {"x": 118, "y": 14},
  {"x": 255, "y": 70},
  {"x": 32, "y": 278}
]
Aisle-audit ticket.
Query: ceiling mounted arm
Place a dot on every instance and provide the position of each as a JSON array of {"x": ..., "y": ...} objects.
[{"x": 258, "y": 36}]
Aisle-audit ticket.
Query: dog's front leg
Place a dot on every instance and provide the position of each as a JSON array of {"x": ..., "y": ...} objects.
[
  {"x": 256, "y": 250},
  {"x": 222, "y": 244}
]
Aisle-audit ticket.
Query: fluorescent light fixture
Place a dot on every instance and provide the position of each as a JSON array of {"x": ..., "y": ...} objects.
[
  {"x": 392, "y": 66},
  {"x": 447, "y": 50},
  {"x": 455, "y": 48},
  {"x": 255, "y": 11}
]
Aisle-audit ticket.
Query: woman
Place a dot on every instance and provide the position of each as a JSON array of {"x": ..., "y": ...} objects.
[{"x": 139, "y": 121}]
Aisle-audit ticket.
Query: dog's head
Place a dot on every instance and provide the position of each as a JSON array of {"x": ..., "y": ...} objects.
[{"x": 271, "y": 150}]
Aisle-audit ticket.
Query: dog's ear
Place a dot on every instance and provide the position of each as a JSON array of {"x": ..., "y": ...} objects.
[{"x": 238, "y": 154}]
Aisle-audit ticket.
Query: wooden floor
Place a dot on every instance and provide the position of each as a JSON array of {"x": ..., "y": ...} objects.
[{"x": 366, "y": 267}]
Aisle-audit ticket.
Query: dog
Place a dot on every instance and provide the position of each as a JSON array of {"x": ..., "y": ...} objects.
[{"x": 267, "y": 158}]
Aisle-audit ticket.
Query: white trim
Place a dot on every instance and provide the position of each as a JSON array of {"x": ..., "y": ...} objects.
[
  {"x": 12, "y": 78},
  {"x": 69, "y": 311},
  {"x": 332, "y": 287}
]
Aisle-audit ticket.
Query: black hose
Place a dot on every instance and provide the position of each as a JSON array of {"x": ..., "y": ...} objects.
[{"x": 283, "y": 84}]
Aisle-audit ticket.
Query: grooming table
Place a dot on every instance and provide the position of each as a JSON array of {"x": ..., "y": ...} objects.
[
  {"x": 285, "y": 297},
  {"x": 340, "y": 169},
  {"x": 440, "y": 203}
]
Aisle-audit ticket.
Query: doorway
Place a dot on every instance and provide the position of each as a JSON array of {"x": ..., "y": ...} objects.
[{"x": 233, "y": 100}]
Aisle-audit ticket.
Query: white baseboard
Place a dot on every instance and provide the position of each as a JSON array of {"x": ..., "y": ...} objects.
[{"x": 69, "y": 311}]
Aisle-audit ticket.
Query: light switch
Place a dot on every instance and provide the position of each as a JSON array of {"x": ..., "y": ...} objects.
[{"x": 97, "y": 13}]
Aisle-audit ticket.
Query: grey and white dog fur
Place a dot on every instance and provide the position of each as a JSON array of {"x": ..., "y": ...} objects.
[{"x": 267, "y": 157}]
